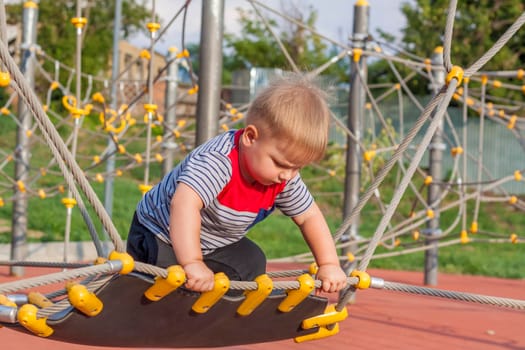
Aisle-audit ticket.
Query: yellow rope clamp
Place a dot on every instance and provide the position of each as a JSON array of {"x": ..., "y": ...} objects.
[
  {"x": 5, "y": 301},
  {"x": 313, "y": 268},
  {"x": 143, "y": 188},
  {"x": 208, "y": 299},
  {"x": 514, "y": 238},
  {"x": 513, "y": 200},
  {"x": 5, "y": 111},
  {"x": 484, "y": 79},
  {"x": 5, "y": 79},
  {"x": 463, "y": 237},
  {"x": 164, "y": 286},
  {"x": 83, "y": 300},
  {"x": 512, "y": 122},
  {"x": 2, "y": 202},
  {"x": 430, "y": 214},
  {"x": 42, "y": 194},
  {"x": 128, "y": 264},
  {"x": 456, "y": 72},
  {"x": 369, "y": 155},
  {"x": 153, "y": 26},
  {"x": 184, "y": 53},
  {"x": 455, "y": 151},
  {"x": 69, "y": 202},
  {"x": 330, "y": 317},
  {"x": 79, "y": 22},
  {"x": 296, "y": 296},
  {"x": 520, "y": 73},
  {"x": 145, "y": 54},
  {"x": 21, "y": 186},
  {"x": 27, "y": 317},
  {"x": 254, "y": 298},
  {"x": 75, "y": 112},
  {"x": 474, "y": 227},
  {"x": 428, "y": 180},
  {"x": 357, "y": 54},
  {"x": 364, "y": 279},
  {"x": 517, "y": 175},
  {"x": 193, "y": 90}
]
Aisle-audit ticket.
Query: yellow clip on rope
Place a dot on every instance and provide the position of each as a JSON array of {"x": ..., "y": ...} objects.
[
  {"x": 456, "y": 72},
  {"x": 254, "y": 298},
  {"x": 208, "y": 299},
  {"x": 27, "y": 316},
  {"x": 296, "y": 296},
  {"x": 164, "y": 286}
]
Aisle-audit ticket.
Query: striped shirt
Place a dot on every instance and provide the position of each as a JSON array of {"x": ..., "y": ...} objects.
[{"x": 231, "y": 205}]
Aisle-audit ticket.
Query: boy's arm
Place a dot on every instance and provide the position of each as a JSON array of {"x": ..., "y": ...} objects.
[
  {"x": 317, "y": 235},
  {"x": 185, "y": 226}
]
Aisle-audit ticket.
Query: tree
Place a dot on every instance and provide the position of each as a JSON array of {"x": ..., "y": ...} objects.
[
  {"x": 57, "y": 35},
  {"x": 255, "y": 46},
  {"x": 477, "y": 26}
]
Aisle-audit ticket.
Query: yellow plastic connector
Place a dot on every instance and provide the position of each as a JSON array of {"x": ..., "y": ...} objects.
[
  {"x": 54, "y": 85},
  {"x": 21, "y": 186},
  {"x": 357, "y": 54},
  {"x": 520, "y": 73},
  {"x": 42, "y": 194},
  {"x": 39, "y": 299},
  {"x": 415, "y": 235},
  {"x": 364, "y": 279},
  {"x": 484, "y": 79},
  {"x": 430, "y": 213},
  {"x": 5, "y": 111},
  {"x": 514, "y": 238},
  {"x": 2, "y": 203},
  {"x": 193, "y": 90},
  {"x": 98, "y": 97},
  {"x": 296, "y": 296},
  {"x": 517, "y": 175},
  {"x": 143, "y": 188},
  {"x": 350, "y": 257},
  {"x": 29, "y": 133},
  {"x": 323, "y": 332},
  {"x": 128, "y": 264},
  {"x": 79, "y": 22},
  {"x": 254, "y": 298},
  {"x": 313, "y": 268},
  {"x": 397, "y": 86},
  {"x": 5, "y": 301},
  {"x": 184, "y": 53},
  {"x": 369, "y": 155},
  {"x": 159, "y": 158},
  {"x": 138, "y": 158},
  {"x": 150, "y": 108},
  {"x": 428, "y": 180},
  {"x": 99, "y": 178},
  {"x": 474, "y": 227},
  {"x": 210, "y": 298},
  {"x": 496, "y": 84},
  {"x": 5, "y": 79},
  {"x": 164, "y": 286},
  {"x": 428, "y": 64},
  {"x": 69, "y": 202},
  {"x": 513, "y": 200},
  {"x": 225, "y": 127},
  {"x": 463, "y": 237},
  {"x": 456, "y": 72},
  {"x": 84, "y": 300},
  {"x": 145, "y": 54},
  {"x": 512, "y": 122},
  {"x": 455, "y": 151},
  {"x": 330, "y": 316},
  {"x": 121, "y": 149},
  {"x": 27, "y": 317},
  {"x": 153, "y": 26}
]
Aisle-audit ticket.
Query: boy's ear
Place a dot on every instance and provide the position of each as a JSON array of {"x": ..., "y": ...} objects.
[{"x": 250, "y": 134}]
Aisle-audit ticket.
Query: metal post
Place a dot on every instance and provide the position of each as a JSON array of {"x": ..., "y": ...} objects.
[
  {"x": 436, "y": 147},
  {"x": 115, "y": 68},
  {"x": 210, "y": 75},
  {"x": 355, "y": 120},
  {"x": 171, "y": 111},
  {"x": 22, "y": 152}
]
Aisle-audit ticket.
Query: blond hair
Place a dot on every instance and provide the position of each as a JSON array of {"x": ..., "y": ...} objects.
[{"x": 294, "y": 110}]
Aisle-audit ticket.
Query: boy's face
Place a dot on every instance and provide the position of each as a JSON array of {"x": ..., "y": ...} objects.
[{"x": 263, "y": 159}]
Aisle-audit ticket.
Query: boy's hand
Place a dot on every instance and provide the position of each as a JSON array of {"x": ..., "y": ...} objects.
[
  {"x": 199, "y": 277},
  {"x": 333, "y": 278}
]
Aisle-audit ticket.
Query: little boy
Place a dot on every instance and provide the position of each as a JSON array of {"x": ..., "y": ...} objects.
[{"x": 200, "y": 212}]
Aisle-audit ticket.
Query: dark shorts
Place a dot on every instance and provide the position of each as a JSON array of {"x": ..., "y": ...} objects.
[{"x": 240, "y": 261}]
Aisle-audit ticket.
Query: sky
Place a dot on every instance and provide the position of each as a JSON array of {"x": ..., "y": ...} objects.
[{"x": 335, "y": 18}]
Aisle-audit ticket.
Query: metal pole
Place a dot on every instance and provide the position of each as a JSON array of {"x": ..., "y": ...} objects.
[
  {"x": 210, "y": 74},
  {"x": 115, "y": 68},
  {"x": 171, "y": 111},
  {"x": 22, "y": 152},
  {"x": 436, "y": 148},
  {"x": 355, "y": 120}
]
